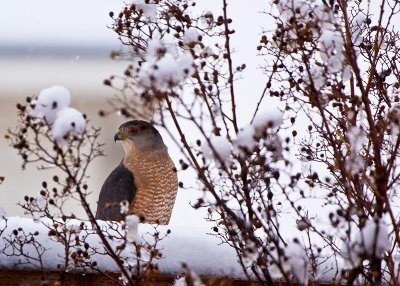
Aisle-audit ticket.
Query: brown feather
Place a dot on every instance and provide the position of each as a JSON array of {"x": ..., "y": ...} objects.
[{"x": 156, "y": 183}]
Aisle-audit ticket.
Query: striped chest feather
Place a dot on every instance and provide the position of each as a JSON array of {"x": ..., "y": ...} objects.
[{"x": 156, "y": 186}]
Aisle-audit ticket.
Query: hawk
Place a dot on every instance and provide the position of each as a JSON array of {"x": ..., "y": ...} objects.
[{"x": 146, "y": 178}]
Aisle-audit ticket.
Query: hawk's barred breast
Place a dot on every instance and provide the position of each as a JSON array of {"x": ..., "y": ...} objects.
[{"x": 156, "y": 186}]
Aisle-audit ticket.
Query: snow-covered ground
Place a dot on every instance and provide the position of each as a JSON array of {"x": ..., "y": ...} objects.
[{"x": 202, "y": 253}]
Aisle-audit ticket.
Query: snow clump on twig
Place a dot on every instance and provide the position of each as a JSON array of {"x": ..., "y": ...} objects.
[
  {"x": 372, "y": 241},
  {"x": 246, "y": 137},
  {"x": 149, "y": 10},
  {"x": 165, "y": 67},
  {"x": 52, "y": 105},
  {"x": 69, "y": 122},
  {"x": 50, "y": 101},
  {"x": 219, "y": 151}
]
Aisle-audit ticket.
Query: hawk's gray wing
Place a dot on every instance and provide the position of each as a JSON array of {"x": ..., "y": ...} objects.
[{"x": 119, "y": 186}]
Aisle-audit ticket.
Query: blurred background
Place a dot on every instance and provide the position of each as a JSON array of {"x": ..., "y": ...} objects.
[
  {"x": 58, "y": 42},
  {"x": 45, "y": 43}
]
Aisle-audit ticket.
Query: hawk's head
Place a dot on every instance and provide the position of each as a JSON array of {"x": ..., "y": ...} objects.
[{"x": 139, "y": 135}]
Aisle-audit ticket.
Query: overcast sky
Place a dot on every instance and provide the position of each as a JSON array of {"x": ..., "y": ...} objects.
[{"x": 55, "y": 22}]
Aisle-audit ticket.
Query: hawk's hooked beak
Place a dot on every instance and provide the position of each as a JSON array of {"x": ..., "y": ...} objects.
[{"x": 119, "y": 136}]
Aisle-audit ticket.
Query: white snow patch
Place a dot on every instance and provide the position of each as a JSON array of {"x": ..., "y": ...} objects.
[
  {"x": 191, "y": 36},
  {"x": 50, "y": 101},
  {"x": 316, "y": 76},
  {"x": 347, "y": 74},
  {"x": 180, "y": 282},
  {"x": 332, "y": 50},
  {"x": 149, "y": 9},
  {"x": 245, "y": 138},
  {"x": 157, "y": 47},
  {"x": 41, "y": 202},
  {"x": 206, "y": 52},
  {"x": 271, "y": 117},
  {"x": 185, "y": 63},
  {"x": 69, "y": 122},
  {"x": 331, "y": 39},
  {"x": 357, "y": 27},
  {"x": 73, "y": 225},
  {"x": 164, "y": 68},
  {"x": 162, "y": 74},
  {"x": 52, "y": 105},
  {"x": 371, "y": 241},
  {"x": 221, "y": 146},
  {"x": 132, "y": 222},
  {"x": 287, "y": 8},
  {"x": 356, "y": 139},
  {"x": 298, "y": 262}
]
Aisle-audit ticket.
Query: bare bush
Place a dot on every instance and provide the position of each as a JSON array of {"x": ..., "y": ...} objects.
[{"x": 334, "y": 67}]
